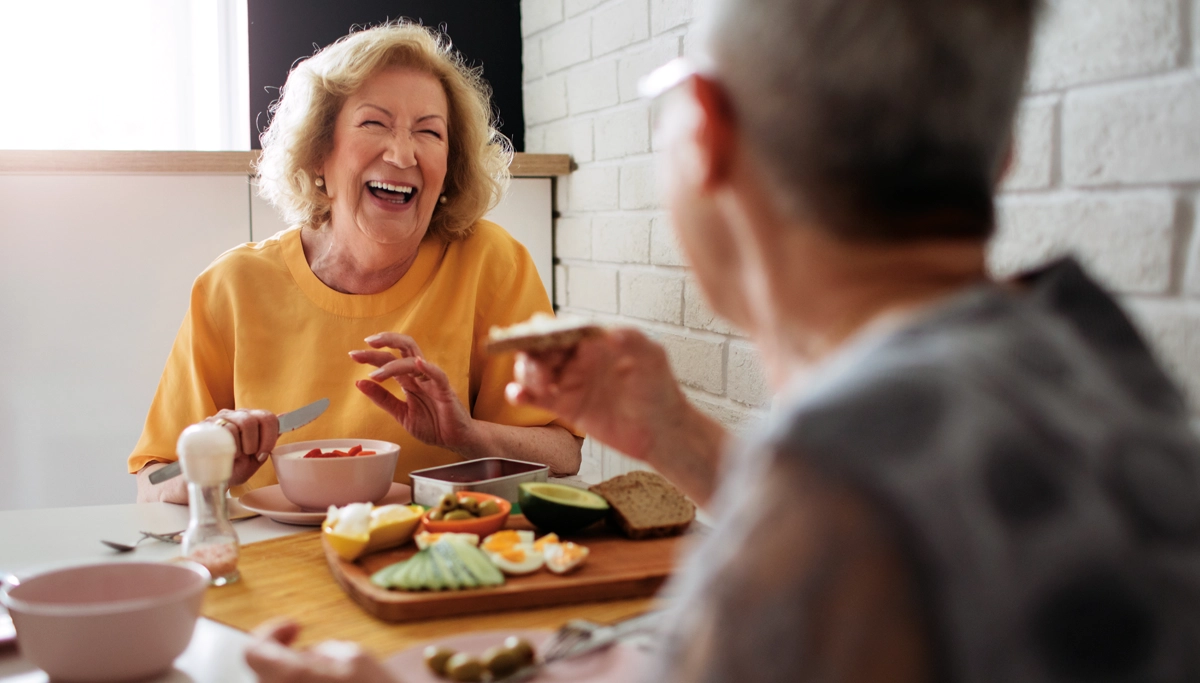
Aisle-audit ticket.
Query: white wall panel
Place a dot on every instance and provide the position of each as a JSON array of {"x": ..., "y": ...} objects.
[{"x": 95, "y": 272}]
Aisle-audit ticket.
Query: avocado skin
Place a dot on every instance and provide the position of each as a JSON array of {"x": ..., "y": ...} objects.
[{"x": 555, "y": 516}]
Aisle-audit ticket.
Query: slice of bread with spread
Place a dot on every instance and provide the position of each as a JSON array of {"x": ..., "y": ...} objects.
[{"x": 646, "y": 505}]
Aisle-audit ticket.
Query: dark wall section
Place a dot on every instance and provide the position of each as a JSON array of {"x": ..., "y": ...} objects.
[{"x": 486, "y": 32}]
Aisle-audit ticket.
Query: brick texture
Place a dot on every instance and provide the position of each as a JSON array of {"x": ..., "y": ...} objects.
[
  {"x": 1133, "y": 133},
  {"x": 538, "y": 14},
  {"x": 567, "y": 45},
  {"x": 593, "y": 289},
  {"x": 1106, "y": 166},
  {"x": 620, "y": 23},
  {"x": 1084, "y": 41},
  {"x": 664, "y": 247},
  {"x": 1126, "y": 239},
  {"x": 698, "y": 360},
  {"x": 621, "y": 238},
  {"x": 622, "y": 132},
  {"x": 593, "y": 87},
  {"x": 1033, "y": 147},
  {"x": 652, "y": 296},
  {"x": 747, "y": 384}
]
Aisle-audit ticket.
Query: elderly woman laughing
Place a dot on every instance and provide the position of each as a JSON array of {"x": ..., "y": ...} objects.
[{"x": 381, "y": 155}]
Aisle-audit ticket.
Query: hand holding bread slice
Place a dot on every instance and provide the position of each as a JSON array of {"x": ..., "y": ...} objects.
[{"x": 540, "y": 334}]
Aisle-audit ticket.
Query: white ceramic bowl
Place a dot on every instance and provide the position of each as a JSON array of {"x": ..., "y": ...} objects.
[
  {"x": 317, "y": 483},
  {"x": 107, "y": 622}
]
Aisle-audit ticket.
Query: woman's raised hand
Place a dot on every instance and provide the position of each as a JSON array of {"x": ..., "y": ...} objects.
[
  {"x": 255, "y": 433},
  {"x": 431, "y": 411},
  {"x": 617, "y": 387}
]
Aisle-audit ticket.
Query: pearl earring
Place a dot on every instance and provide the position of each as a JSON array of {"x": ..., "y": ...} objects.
[
  {"x": 319, "y": 182},
  {"x": 442, "y": 199}
]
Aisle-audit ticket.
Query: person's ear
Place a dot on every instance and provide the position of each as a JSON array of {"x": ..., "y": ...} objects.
[{"x": 714, "y": 134}]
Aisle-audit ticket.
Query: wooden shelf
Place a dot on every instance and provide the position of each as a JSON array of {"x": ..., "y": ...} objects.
[{"x": 55, "y": 162}]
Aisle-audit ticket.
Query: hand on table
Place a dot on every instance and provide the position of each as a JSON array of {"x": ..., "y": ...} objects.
[
  {"x": 431, "y": 411},
  {"x": 275, "y": 661},
  {"x": 617, "y": 387},
  {"x": 255, "y": 433}
]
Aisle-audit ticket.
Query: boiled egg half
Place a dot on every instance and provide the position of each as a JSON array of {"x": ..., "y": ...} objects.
[{"x": 513, "y": 552}]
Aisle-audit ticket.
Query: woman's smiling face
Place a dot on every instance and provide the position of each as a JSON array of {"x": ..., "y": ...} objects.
[{"x": 390, "y": 150}]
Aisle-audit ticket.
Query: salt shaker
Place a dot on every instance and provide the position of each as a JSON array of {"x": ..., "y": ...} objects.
[{"x": 206, "y": 454}]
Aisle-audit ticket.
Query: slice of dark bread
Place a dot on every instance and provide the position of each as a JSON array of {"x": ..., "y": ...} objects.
[{"x": 646, "y": 505}]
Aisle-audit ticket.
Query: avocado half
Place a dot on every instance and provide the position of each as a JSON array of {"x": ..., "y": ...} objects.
[{"x": 558, "y": 508}]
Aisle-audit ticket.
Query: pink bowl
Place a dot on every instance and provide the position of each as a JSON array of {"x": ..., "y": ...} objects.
[
  {"x": 107, "y": 622},
  {"x": 317, "y": 483}
]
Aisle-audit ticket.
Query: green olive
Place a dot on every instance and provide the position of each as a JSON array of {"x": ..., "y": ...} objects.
[
  {"x": 488, "y": 508},
  {"x": 456, "y": 515},
  {"x": 447, "y": 502},
  {"x": 436, "y": 658},
  {"x": 521, "y": 648},
  {"x": 464, "y": 667},
  {"x": 469, "y": 504},
  {"x": 500, "y": 661},
  {"x": 435, "y": 514}
]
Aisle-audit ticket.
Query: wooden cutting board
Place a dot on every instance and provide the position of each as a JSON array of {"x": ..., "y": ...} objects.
[
  {"x": 616, "y": 568},
  {"x": 289, "y": 577}
]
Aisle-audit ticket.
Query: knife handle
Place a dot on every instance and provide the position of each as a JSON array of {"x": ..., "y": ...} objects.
[{"x": 162, "y": 474}]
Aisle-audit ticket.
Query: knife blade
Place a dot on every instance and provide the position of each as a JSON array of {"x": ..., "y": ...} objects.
[{"x": 287, "y": 422}]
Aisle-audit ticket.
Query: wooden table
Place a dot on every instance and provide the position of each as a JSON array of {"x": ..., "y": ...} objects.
[
  {"x": 289, "y": 577},
  {"x": 280, "y": 577}
]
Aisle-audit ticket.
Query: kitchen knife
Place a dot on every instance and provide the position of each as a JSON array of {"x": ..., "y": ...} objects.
[{"x": 287, "y": 422}]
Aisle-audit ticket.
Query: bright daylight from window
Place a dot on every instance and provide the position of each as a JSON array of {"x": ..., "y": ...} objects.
[{"x": 124, "y": 74}]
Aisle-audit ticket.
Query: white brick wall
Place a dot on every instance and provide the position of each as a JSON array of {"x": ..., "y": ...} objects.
[{"x": 1106, "y": 166}]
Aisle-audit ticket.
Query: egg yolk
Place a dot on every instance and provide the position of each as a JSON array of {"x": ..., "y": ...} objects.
[{"x": 515, "y": 555}]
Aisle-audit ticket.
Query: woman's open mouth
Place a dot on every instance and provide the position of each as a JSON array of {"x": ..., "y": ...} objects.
[{"x": 396, "y": 194}]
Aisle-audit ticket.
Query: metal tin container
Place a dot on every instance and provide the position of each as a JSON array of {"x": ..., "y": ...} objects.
[{"x": 497, "y": 476}]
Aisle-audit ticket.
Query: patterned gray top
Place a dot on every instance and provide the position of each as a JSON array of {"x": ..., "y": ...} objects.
[{"x": 1029, "y": 463}]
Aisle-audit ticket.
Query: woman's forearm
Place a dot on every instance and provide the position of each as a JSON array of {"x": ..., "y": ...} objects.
[
  {"x": 550, "y": 445},
  {"x": 173, "y": 490}
]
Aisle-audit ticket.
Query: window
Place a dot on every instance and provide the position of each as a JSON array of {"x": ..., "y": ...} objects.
[{"x": 124, "y": 74}]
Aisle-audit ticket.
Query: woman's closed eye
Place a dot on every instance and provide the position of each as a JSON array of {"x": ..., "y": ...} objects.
[{"x": 429, "y": 131}]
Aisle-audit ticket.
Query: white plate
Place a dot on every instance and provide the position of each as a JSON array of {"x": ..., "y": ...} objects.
[
  {"x": 621, "y": 662},
  {"x": 269, "y": 502}
]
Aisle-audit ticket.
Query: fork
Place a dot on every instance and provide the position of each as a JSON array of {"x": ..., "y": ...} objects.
[{"x": 579, "y": 637}]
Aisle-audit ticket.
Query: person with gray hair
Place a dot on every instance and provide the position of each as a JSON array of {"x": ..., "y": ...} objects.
[{"x": 963, "y": 479}]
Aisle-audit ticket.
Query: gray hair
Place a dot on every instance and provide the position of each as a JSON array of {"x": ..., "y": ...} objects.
[{"x": 883, "y": 119}]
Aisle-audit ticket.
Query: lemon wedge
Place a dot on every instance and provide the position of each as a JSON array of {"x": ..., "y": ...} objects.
[
  {"x": 393, "y": 525},
  {"x": 351, "y": 533},
  {"x": 348, "y": 547}
]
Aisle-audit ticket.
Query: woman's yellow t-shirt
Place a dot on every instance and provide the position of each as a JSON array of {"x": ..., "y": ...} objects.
[{"x": 263, "y": 332}]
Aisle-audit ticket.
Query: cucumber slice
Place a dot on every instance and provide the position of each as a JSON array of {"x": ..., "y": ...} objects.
[
  {"x": 398, "y": 578},
  {"x": 409, "y": 577},
  {"x": 449, "y": 560},
  {"x": 478, "y": 563},
  {"x": 445, "y": 576},
  {"x": 421, "y": 576}
]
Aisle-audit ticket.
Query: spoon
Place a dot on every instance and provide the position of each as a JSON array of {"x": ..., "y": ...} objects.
[{"x": 124, "y": 548}]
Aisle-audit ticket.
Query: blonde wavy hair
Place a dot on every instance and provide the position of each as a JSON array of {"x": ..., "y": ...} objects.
[{"x": 300, "y": 135}]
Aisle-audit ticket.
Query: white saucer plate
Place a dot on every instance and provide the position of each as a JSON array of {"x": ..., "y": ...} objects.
[{"x": 270, "y": 502}]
